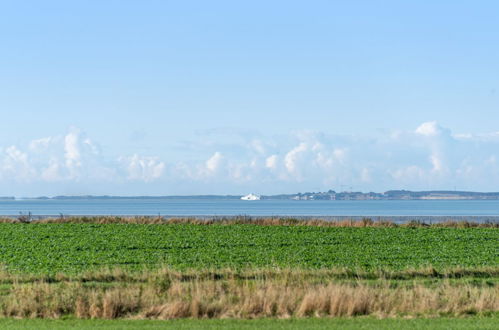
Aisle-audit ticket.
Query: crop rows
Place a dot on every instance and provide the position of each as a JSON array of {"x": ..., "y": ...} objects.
[{"x": 70, "y": 247}]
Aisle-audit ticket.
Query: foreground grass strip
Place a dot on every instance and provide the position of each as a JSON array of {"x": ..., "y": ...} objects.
[
  {"x": 77, "y": 247},
  {"x": 163, "y": 296},
  {"x": 346, "y": 324}
]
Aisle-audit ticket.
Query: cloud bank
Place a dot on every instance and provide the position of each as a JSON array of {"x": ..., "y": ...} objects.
[{"x": 427, "y": 157}]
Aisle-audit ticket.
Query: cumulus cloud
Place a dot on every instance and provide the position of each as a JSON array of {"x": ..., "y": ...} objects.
[
  {"x": 429, "y": 156},
  {"x": 141, "y": 168},
  {"x": 271, "y": 162},
  {"x": 430, "y": 128},
  {"x": 16, "y": 164},
  {"x": 294, "y": 157},
  {"x": 40, "y": 145},
  {"x": 51, "y": 173},
  {"x": 213, "y": 164},
  {"x": 72, "y": 153},
  {"x": 73, "y": 158}
]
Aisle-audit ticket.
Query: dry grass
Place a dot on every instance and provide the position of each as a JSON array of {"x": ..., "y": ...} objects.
[
  {"x": 168, "y": 294},
  {"x": 260, "y": 221},
  {"x": 276, "y": 275},
  {"x": 243, "y": 299},
  {"x": 9, "y": 220}
]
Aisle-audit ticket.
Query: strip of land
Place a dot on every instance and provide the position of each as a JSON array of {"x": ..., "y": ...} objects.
[
  {"x": 324, "y": 195},
  {"x": 242, "y": 268},
  {"x": 291, "y": 324},
  {"x": 238, "y": 294}
]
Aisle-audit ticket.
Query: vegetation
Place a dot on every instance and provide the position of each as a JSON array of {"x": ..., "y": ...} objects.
[
  {"x": 75, "y": 247},
  {"x": 291, "y": 324},
  {"x": 168, "y": 294},
  {"x": 248, "y": 220},
  {"x": 241, "y": 268}
]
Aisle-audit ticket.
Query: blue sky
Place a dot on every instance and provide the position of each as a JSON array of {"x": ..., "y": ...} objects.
[{"x": 195, "y": 97}]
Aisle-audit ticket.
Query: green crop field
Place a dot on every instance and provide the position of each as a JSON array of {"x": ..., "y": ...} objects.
[
  {"x": 114, "y": 268},
  {"x": 73, "y": 247}
]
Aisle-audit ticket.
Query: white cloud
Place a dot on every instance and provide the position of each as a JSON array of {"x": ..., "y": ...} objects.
[
  {"x": 40, "y": 145},
  {"x": 271, "y": 162},
  {"x": 327, "y": 159},
  {"x": 294, "y": 156},
  {"x": 315, "y": 159},
  {"x": 428, "y": 129},
  {"x": 52, "y": 172},
  {"x": 72, "y": 153},
  {"x": 258, "y": 146},
  {"x": 213, "y": 164},
  {"x": 145, "y": 169},
  {"x": 73, "y": 158},
  {"x": 463, "y": 136},
  {"x": 428, "y": 157},
  {"x": 16, "y": 165},
  {"x": 437, "y": 163},
  {"x": 339, "y": 154}
]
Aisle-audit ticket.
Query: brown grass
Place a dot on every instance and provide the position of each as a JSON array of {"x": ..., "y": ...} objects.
[
  {"x": 168, "y": 294},
  {"x": 163, "y": 276},
  {"x": 236, "y": 299},
  {"x": 260, "y": 221}
]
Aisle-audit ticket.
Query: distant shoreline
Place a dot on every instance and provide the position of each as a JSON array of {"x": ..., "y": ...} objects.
[{"x": 329, "y": 195}]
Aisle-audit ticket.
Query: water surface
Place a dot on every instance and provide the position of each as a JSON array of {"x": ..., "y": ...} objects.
[{"x": 223, "y": 207}]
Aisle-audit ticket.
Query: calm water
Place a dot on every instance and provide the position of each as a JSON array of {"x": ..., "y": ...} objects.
[{"x": 197, "y": 207}]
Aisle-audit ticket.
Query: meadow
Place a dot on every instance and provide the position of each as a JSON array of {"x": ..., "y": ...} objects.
[
  {"x": 241, "y": 268},
  {"x": 291, "y": 324}
]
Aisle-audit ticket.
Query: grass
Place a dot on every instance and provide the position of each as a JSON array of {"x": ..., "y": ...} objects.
[
  {"x": 248, "y": 220},
  {"x": 241, "y": 268},
  {"x": 337, "y": 323},
  {"x": 77, "y": 247},
  {"x": 282, "y": 294},
  {"x": 253, "y": 293}
]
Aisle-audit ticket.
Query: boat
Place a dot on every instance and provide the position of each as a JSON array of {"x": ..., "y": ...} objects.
[{"x": 251, "y": 197}]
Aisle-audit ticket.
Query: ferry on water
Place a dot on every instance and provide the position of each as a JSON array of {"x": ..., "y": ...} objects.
[{"x": 251, "y": 197}]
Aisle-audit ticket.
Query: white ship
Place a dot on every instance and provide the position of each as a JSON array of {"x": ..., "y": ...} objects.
[{"x": 251, "y": 197}]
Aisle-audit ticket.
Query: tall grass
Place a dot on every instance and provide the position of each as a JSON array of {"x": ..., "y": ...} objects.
[
  {"x": 167, "y": 294},
  {"x": 284, "y": 275},
  {"x": 260, "y": 221}
]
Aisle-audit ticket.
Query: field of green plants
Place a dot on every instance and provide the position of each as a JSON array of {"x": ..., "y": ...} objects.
[
  {"x": 144, "y": 268},
  {"x": 73, "y": 247}
]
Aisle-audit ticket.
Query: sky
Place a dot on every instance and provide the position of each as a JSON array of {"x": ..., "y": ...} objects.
[{"x": 231, "y": 97}]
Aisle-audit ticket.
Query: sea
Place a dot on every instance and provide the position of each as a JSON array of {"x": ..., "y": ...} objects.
[{"x": 395, "y": 210}]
